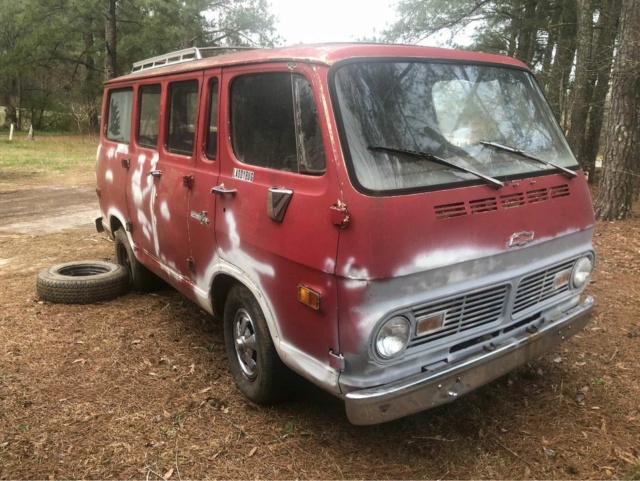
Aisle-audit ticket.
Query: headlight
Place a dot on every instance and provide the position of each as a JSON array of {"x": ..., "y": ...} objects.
[
  {"x": 393, "y": 337},
  {"x": 581, "y": 272}
]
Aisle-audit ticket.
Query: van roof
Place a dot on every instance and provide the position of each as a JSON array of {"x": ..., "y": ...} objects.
[{"x": 325, "y": 54}]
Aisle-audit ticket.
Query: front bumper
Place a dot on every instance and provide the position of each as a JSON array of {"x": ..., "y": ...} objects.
[{"x": 430, "y": 389}]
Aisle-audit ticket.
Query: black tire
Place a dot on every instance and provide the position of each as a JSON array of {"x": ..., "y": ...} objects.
[
  {"x": 141, "y": 279},
  {"x": 82, "y": 282},
  {"x": 254, "y": 363}
]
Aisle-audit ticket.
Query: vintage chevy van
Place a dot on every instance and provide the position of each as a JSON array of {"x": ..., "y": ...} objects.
[{"x": 397, "y": 224}]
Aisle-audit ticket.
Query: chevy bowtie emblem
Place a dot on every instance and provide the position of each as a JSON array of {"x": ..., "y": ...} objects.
[{"x": 520, "y": 238}]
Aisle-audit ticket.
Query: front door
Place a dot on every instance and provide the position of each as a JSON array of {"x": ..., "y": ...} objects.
[{"x": 274, "y": 195}]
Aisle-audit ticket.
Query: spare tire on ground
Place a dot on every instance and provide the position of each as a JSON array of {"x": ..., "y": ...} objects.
[{"x": 82, "y": 282}]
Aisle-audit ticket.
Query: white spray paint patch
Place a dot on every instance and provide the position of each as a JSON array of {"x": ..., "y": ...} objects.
[
  {"x": 164, "y": 211},
  {"x": 355, "y": 275},
  {"x": 443, "y": 257},
  {"x": 240, "y": 257}
]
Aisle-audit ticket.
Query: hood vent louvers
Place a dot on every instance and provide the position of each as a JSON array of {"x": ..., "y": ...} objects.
[
  {"x": 507, "y": 201},
  {"x": 483, "y": 205},
  {"x": 512, "y": 200},
  {"x": 448, "y": 211}
]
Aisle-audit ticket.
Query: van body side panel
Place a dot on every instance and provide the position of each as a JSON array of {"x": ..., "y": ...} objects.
[{"x": 281, "y": 256}]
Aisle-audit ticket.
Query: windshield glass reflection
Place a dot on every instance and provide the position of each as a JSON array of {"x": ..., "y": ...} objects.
[{"x": 446, "y": 110}]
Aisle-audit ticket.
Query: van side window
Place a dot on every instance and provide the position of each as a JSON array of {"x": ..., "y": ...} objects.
[
  {"x": 311, "y": 158},
  {"x": 274, "y": 123},
  {"x": 148, "y": 117},
  {"x": 212, "y": 132},
  {"x": 119, "y": 116},
  {"x": 181, "y": 130}
]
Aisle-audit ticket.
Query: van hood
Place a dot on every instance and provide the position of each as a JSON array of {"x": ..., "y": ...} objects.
[{"x": 401, "y": 235}]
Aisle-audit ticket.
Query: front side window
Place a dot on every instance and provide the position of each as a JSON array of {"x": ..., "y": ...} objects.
[
  {"x": 181, "y": 129},
  {"x": 148, "y": 119},
  {"x": 119, "y": 116},
  {"x": 392, "y": 112},
  {"x": 274, "y": 123}
]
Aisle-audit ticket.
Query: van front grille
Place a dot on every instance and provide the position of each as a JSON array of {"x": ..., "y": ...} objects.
[
  {"x": 541, "y": 286},
  {"x": 479, "y": 313},
  {"x": 462, "y": 313}
]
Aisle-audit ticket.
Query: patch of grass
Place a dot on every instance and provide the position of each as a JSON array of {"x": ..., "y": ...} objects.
[
  {"x": 634, "y": 474},
  {"x": 48, "y": 153}
]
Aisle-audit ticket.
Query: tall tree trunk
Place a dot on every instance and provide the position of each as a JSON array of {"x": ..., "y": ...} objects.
[
  {"x": 563, "y": 60},
  {"x": 552, "y": 38},
  {"x": 620, "y": 162},
  {"x": 513, "y": 35},
  {"x": 605, "y": 38},
  {"x": 526, "y": 35},
  {"x": 110, "y": 63},
  {"x": 582, "y": 85},
  {"x": 89, "y": 77}
]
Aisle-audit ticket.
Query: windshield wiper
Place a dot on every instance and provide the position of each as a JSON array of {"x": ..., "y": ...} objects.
[
  {"x": 570, "y": 173},
  {"x": 438, "y": 160}
]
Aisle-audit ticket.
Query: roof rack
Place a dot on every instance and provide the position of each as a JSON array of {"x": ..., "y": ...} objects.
[{"x": 179, "y": 56}]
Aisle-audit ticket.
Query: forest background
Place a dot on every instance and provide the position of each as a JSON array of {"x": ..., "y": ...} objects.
[{"x": 55, "y": 55}]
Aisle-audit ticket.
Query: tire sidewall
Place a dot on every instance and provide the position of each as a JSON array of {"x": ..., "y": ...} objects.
[{"x": 74, "y": 288}]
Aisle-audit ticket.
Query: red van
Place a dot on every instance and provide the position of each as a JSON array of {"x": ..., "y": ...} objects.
[{"x": 399, "y": 225}]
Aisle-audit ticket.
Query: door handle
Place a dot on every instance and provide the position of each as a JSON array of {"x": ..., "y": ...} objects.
[
  {"x": 222, "y": 190},
  {"x": 155, "y": 173}
]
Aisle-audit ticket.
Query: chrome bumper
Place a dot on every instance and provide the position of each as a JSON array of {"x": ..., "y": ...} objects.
[{"x": 427, "y": 390}]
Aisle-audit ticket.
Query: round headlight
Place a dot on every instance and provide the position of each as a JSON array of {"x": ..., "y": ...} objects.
[
  {"x": 581, "y": 272},
  {"x": 393, "y": 337}
]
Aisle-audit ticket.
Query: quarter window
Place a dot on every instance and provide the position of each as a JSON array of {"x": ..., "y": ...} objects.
[
  {"x": 149, "y": 116},
  {"x": 119, "y": 117},
  {"x": 183, "y": 101},
  {"x": 274, "y": 123}
]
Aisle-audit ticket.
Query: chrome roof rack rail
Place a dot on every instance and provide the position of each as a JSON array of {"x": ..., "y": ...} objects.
[{"x": 179, "y": 56}]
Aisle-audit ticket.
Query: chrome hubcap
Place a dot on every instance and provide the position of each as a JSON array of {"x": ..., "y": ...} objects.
[{"x": 244, "y": 335}]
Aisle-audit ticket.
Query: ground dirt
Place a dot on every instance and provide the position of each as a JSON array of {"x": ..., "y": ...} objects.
[{"x": 139, "y": 387}]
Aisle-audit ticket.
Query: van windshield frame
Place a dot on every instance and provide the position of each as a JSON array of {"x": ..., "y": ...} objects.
[{"x": 447, "y": 109}]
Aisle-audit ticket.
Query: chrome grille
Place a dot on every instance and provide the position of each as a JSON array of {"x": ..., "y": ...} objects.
[
  {"x": 539, "y": 286},
  {"x": 462, "y": 313}
]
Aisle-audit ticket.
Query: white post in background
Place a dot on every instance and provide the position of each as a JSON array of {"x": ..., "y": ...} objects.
[
  {"x": 30, "y": 134},
  {"x": 11, "y": 132}
]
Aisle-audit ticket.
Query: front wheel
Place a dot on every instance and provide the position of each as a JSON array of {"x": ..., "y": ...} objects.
[{"x": 253, "y": 360}]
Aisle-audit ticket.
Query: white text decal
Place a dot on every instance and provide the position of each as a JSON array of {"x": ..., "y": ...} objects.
[{"x": 242, "y": 174}]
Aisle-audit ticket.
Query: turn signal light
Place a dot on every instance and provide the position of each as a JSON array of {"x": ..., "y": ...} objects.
[
  {"x": 309, "y": 297},
  {"x": 425, "y": 325}
]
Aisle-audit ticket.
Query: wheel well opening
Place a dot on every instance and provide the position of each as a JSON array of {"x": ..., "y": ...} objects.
[
  {"x": 115, "y": 224},
  {"x": 222, "y": 284}
]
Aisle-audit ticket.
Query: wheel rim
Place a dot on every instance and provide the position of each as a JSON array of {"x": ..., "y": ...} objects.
[{"x": 244, "y": 337}]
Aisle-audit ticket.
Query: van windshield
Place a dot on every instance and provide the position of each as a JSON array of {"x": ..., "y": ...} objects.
[{"x": 449, "y": 111}]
